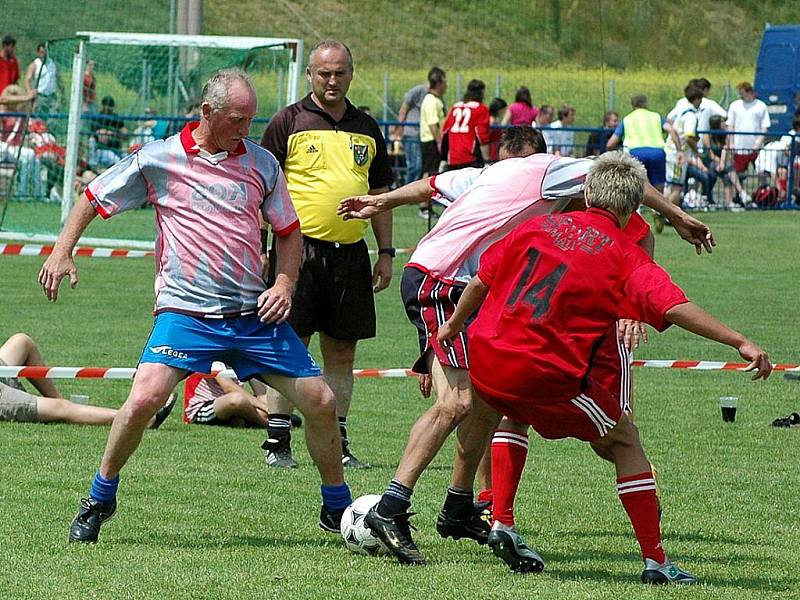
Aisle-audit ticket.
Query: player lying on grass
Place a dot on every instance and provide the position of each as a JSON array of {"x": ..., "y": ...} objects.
[
  {"x": 489, "y": 203},
  {"x": 224, "y": 401},
  {"x": 18, "y": 405},
  {"x": 548, "y": 293}
]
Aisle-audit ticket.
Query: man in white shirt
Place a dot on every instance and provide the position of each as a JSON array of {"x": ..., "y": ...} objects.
[
  {"x": 708, "y": 108},
  {"x": 562, "y": 143},
  {"x": 678, "y": 158},
  {"x": 41, "y": 76},
  {"x": 749, "y": 118}
]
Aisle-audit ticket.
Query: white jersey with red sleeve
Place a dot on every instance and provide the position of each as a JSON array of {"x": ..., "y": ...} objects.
[
  {"x": 499, "y": 198},
  {"x": 207, "y": 218}
]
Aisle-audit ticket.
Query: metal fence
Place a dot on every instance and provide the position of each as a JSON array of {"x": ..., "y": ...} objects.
[{"x": 32, "y": 157}]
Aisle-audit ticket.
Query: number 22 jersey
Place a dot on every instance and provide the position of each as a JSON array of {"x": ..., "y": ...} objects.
[{"x": 556, "y": 285}]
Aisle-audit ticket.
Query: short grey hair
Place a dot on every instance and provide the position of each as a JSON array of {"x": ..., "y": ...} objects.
[
  {"x": 616, "y": 182},
  {"x": 215, "y": 91},
  {"x": 328, "y": 45}
]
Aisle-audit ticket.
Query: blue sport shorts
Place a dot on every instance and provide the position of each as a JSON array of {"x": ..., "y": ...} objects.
[
  {"x": 655, "y": 163},
  {"x": 244, "y": 343}
]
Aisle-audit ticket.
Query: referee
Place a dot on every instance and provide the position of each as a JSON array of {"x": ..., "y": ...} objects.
[{"x": 330, "y": 150}]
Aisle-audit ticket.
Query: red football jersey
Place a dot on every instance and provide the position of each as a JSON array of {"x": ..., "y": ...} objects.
[
  {"x": 556, "y": 285},
  {"x": 467, "y": 128}
]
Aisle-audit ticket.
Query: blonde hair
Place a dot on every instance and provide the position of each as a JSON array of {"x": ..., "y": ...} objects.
[{"x": 616, "y": 182}]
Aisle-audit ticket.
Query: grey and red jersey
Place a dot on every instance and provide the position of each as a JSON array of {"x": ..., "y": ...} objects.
[{"x": 207, "y": 210}]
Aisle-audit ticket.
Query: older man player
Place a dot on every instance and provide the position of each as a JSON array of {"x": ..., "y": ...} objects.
[
  {"x": 549, "y": 292},
  {"x": 209, "y": 186},
  {"x": 490, "y": 204}
]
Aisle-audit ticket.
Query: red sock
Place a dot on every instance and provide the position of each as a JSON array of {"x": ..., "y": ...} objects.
[
  {"x": 638, "y": 495},
  {"x": 486, "y": 496},
  {"x": 509, "y": 451}
]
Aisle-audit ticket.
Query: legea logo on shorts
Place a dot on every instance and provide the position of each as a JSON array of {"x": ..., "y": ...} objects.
[{"x": 168, "y": 351}]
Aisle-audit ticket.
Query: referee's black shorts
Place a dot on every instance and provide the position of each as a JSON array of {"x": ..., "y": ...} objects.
[{"x": 334, "y": 291}]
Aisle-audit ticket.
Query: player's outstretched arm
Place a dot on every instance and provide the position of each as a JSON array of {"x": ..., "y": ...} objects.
[
  {"x": 473, "y": 296},
  {"x": 60, "y": 263},
  {"x": 365, "y": 207},
  {"x": 691, "y": 317},
  {"x": 690, "y": 229}
]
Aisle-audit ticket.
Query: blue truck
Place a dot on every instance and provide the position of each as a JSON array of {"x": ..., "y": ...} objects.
[{"x": 778, "y": 74}]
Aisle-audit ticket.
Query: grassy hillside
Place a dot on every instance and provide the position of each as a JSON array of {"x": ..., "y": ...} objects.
[
  {"x": 415, "y": 33},
  {"x": 564, "y": 50}
]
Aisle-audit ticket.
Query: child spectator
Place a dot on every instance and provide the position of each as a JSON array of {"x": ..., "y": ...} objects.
[{"x": 522, "y": 111}]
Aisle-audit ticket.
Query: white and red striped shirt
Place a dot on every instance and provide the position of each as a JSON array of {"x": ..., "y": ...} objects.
[
  {"x": 491, "y": 203},
  {"x": 208, "y": 240}
]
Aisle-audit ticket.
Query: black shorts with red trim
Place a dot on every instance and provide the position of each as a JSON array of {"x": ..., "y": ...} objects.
[{"x": 429, "y": 303}]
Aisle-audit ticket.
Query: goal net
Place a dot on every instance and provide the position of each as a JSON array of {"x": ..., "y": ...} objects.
[{"x": 113, "y": 93}]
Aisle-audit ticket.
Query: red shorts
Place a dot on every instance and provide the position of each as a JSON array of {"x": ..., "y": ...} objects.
[
  {"x": 741, "y": 161},
  {"x": 429, "y": 303},
  {"x": 589, "y": 415}
]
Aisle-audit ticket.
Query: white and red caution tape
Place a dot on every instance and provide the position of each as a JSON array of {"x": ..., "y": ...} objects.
[
  {"x": 127, "y": 373},
  {"x": 45, "y": 250},
  {"x": 94, "y": 252}
]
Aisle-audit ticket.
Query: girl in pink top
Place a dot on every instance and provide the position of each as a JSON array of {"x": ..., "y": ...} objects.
[{"x": 521, "y": 111}]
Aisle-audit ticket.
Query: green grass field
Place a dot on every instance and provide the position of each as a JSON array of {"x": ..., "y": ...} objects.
[{"x": 202, "y": 517}]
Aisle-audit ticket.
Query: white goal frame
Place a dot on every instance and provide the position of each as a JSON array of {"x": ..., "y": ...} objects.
[{"x": 157, "y": 39}]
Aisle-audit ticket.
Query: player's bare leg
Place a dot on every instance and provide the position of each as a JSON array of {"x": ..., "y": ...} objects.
[
  {"x": 315, "y": 400},
  {"x": 453, "y": 403},
  {"x": 242, "y": 405},
  {"x": 637, "y": 492},
  {"x": 58, "y": 410},
  {"x": 388, "y": 521},
  {"x": 338, "y": 358},
  {"x": 152, "y": 386},
  {"x": 460, "y": 516},
  {"x": 20, "y": 349}
]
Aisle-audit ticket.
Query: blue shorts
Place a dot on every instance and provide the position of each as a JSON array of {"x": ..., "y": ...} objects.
[
  {"x": 655, "y": 163},
  {"x": 247, "y": 345}
]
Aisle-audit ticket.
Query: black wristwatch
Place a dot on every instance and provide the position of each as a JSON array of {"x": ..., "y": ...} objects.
[{"x": 390, "y": 251}]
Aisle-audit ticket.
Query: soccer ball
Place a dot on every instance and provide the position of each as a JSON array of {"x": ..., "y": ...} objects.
[{"x": 357, "y": 537}]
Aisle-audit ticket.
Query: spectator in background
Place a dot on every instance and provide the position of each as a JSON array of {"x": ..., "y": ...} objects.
[
  {"x": 109, "y": 132},
  {"x": 562, "y": 143},
  {"x": 598, "y": 140},
  {"x": 89, "y": 98},
  {"x": 643, "y": 132},
  {"x": 708, "y": 107},
  {"x": 9, "y": 65},
  {"x": 522, "y": 111},
  {"x": 716, "y": 158},
  {"x": 42, "y": 77},
  {"x": 431, "y": 118},
  {"x": 410, "y": 113},
  {"x": 498, "y": 109},
  {"x": 542, "y": 122},
  {"x": 679, "y": 155},
  {"x": 747, "y": 114},
  {"x": 13, "y": 148},
  {"x": 466, "y": 129},
  {"x": 144, "y": 132}
]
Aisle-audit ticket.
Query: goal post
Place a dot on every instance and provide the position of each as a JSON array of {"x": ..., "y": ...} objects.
[{"x": 167, "y": 70}]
